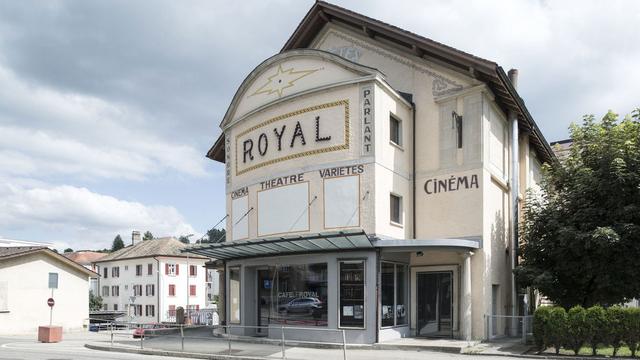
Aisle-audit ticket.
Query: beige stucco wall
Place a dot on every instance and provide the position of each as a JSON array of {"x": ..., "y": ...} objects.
[{"x": 27, "y": 280}]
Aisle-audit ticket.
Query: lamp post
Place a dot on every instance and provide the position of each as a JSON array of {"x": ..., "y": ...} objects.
[{"x": 188, "y": 276}]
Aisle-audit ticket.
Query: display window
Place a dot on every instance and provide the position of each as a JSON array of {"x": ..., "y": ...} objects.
[
  {"x": 352, "y": 294},
  {"x": 293, "y": 295},
  {"x": 393, "y": 294}
]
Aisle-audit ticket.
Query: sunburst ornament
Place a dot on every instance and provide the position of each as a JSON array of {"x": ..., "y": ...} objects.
[{"x": 281, "y": 80}]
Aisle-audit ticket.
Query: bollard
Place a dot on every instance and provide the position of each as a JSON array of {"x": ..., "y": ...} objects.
[
  {"x": 229, "y": 337},
  {"x": 141, "y": 337},
  {"x": 111, "y": 334},
  {"x": 524, "y": 329},
  {"x": 344, "y": 346},
  {"x": 282, "y": 334},
  {"x": 182, "y": 337}
]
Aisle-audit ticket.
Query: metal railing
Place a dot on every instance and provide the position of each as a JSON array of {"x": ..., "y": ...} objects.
[
  {"x": 139, "y": 334},
  {"x": 196, "y": 317},
  {"x": 507, "y": 326}
]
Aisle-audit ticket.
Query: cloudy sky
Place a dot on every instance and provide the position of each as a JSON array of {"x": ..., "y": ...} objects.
[{"x": 108, "y": 107}]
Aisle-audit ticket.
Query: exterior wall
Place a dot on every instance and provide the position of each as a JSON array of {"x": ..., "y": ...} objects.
[
  {"x": 27, "y": 285},
  {"x": 182, "y": 281},
  {"x": 161, "y": 300}
]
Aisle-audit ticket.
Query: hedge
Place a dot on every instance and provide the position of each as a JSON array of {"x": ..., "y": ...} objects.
[{"x": 597, "y": 327}]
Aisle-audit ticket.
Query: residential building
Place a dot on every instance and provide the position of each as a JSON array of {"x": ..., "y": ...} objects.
[
  {"x": 29, "y": 276},
  {"x": 150, "y": 279},
  {"x": 87, "y": 259},
  {"x": 374, "y": 179}
]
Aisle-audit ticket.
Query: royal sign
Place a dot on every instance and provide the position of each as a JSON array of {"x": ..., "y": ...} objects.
[{"x": 314, "y": 130}]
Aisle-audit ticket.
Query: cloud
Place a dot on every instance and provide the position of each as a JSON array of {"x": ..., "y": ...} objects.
[
  {"x": 91, "y": 220},
  {"x": 47, "y": 132}
]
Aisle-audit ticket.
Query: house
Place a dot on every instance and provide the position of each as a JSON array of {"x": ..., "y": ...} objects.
[
  {"x": 374, "y": 180},
  {"x": 29, "y": 276},
  {"x": 87, "y": 259},
  {"x": 151, "y": 279}
]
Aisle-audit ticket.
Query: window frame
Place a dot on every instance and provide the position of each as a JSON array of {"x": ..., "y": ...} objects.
[
  {"x": 171, "y": 291},
  {"x": 399, "y": 223},
  {"x": 364, "y": 292},
  {"x": 237, "y": 268},
  {"x": 392, "y": 141},
  {"x": 407, "y": 279}
]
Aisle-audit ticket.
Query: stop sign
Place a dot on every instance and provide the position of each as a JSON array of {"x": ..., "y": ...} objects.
[{"x": 50, "y": 302}]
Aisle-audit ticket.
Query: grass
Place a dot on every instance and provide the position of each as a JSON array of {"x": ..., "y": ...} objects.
[{"x": 623, "y": 351}]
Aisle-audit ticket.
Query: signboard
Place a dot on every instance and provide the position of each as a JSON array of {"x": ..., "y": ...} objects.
[
  {"x": 53, "y": 280},
  {"x": 367, "y": 116},
  {"x": 50, "y": 302},
  {"x": 314, "y": 130}
]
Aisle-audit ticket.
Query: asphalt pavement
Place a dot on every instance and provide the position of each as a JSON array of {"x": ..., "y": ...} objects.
[{"x": 72, "y": 348}]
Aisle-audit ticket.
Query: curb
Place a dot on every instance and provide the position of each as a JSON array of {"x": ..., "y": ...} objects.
[{"x": 176, "y": 354}]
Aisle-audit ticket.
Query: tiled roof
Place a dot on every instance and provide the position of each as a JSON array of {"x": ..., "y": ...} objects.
[
  {"x": 15, "y": 250},
  {"x": 85, "y": 257},
  {"x": 9, "y": 252},
  {"x": 167, "y": 246}
]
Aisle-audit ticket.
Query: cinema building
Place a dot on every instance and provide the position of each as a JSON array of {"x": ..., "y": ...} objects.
[{"x": 372, "y": 179}]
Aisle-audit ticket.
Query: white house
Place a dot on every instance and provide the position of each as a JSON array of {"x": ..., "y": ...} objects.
[
  {"x": 25, "y": 276},
  {"x": 150, "y": 279},
  {"x": 373, "y": 181}
]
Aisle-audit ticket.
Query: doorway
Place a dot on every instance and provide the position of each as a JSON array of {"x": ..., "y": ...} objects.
[{"x": 434, "y": 292}]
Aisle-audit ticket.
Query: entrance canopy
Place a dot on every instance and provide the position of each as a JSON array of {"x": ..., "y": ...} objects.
[{"x": 285, "y": 245}]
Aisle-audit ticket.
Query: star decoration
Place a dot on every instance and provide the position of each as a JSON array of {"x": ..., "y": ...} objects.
[{"x": 281, "y": 80}]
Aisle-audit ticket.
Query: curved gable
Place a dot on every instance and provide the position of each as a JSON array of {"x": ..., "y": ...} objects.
[{"x": 292, "y": 73}]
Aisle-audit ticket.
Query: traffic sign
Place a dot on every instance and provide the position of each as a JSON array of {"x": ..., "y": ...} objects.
[{"x": 50, "y": 302}]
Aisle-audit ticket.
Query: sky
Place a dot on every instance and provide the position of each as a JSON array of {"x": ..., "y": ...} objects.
[{"x": 107, "y": 108}]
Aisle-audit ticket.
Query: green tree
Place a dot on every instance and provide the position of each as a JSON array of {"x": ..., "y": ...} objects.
[
  {"x": 95, "y": 301},
  {"x": 184, "y": 239},
  {"x": 147, "y": 236},
  {"x": 117, "y": 243},
  {"x": 68, "y": 250},
  {"x": 214, "y": 235},
  {"x": 580, "y": 237}
]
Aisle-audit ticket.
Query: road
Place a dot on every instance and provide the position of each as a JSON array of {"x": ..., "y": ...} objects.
[{"x": 72, "y": 348}]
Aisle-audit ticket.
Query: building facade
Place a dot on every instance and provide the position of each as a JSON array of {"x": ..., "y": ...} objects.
[
  {"x": 150, "y": 279},
  {"x": 29, "y": 276},
  {"x": 87, "y": 259},
  {"x": 373, "y": 177}
]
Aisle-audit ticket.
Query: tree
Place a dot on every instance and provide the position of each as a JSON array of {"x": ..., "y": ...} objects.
[
  {"x": 184, "y": 239},
  {"x": 147, "y": 236},
  {"x": 117, "y": 243},
  {"x": 95, "y": 301},
  {"x": 215, "y": 235},
  {"x": 580, "y": 237},
  {"x": 68, "y": 250}
]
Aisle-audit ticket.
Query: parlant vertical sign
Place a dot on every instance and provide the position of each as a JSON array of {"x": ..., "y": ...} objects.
[{"x": 366, "y": 104}]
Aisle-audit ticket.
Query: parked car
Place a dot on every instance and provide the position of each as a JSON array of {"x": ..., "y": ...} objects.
[
  {"x": 305, "y": 305},
  {"x": 150, "y": 329}
]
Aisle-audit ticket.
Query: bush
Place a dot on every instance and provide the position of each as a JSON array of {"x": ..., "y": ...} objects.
[
  {"x": 540, "y": 318},
  {"x": 576, "y": 328},
  {"x": 596, "y": 331},
  {"x": 632, "y": 329},
  {"x": 556, "y": 327},
  {"x": 616, "y": 330}
]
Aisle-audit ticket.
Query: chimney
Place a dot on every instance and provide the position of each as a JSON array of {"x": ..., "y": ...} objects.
[
  {"x": 513, "y": 76},
  {"x": 135, "y": 237}
]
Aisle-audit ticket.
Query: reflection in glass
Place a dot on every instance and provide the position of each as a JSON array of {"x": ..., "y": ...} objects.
[{"x": 234, "y": 294}]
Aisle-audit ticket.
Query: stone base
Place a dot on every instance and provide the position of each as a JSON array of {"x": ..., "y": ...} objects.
[{"x": 50, "y": 334}]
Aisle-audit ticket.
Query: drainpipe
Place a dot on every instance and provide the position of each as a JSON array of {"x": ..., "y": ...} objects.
[
  {"x": 515, "y": 190},
  {"x": 413, "y": 169},
  {"x": 157, "y": 292}
]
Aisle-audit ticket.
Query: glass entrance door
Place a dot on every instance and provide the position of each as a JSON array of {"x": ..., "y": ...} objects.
[{"x": 434, "y": 304}]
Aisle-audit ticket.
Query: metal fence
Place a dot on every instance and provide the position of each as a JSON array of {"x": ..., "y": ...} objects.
[
  {"x": 196, "y": 317},
  {"x": 227, "y": 340},
  {"x": 507, "y": 326}
]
